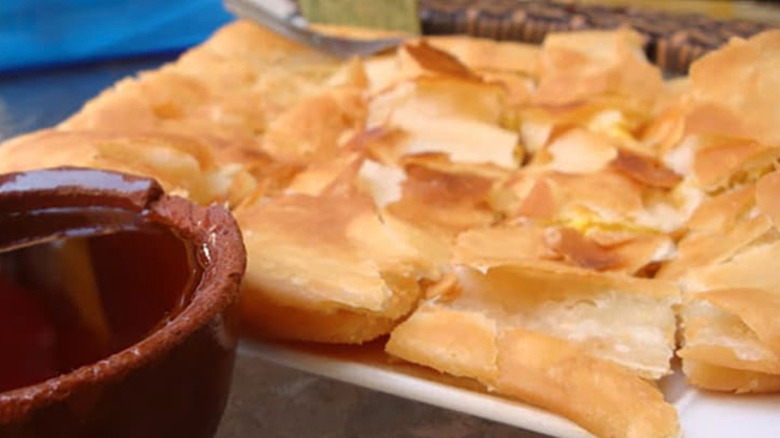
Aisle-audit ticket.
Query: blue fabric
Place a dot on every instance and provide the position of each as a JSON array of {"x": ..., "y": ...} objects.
[{"x": 43, "y": 32}]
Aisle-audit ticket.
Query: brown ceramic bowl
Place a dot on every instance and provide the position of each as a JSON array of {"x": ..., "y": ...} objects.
[{"x": 175, "y": 381}]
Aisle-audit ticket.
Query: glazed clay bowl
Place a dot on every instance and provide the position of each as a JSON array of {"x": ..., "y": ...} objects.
[{"x": 175, "y": 380}]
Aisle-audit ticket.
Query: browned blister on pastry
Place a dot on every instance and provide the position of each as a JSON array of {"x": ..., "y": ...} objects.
[
  {"x": 447, "y": 197},
  {"x": 596, "y": 249}
]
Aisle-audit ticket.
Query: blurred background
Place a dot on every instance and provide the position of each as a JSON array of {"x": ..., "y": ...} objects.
[{"x": 41, "y": 33}]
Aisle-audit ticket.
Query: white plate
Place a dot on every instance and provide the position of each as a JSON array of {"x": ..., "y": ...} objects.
[{"x": 703, "y": 415}]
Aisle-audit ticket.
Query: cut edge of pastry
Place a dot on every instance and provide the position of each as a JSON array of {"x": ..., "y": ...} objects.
[{"x": 535, "y": 368}]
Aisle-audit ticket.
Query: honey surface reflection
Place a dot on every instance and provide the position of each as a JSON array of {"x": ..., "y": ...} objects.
[{"x": 75, "y": 300}]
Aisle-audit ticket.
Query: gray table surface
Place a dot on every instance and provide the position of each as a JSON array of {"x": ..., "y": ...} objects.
[{"x": 267, "y": 400}]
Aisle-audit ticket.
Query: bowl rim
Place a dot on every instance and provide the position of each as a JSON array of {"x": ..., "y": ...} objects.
[{"x": 219, "y": 248}]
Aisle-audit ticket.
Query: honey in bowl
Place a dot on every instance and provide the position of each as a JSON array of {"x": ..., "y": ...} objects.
[{"x": 70, "y": 301}]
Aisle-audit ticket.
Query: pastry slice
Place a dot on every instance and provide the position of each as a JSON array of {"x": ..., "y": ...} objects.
[
  {"x": 329, "y": 268},
  {"x": 577, "y": 343},
  {"x": 236, "y": 82},
  {"x": 744, "y": 68},
  {"x": 444, "y": 107},
  {"x": 315, "y": 129},
  {"x": 577, "y": 66},
  {"x": 732, "y": 290},
  {"x": 730, "y": 340},
  {"x": 730, "y": 241},
  {"x": 725, "y": 141},
  {"x": 183, "y": 165}
]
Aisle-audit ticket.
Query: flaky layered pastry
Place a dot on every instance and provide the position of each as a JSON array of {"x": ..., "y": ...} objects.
[
  {"x": 488, "y": 205},
  {"x": 727, "y": 131},
  {"x": 625, "y": 251},
  {"x": 328, "y": 268},
  {"x": 574, "y": 67},
  {"x": 726, "y": 268},
  {"x": 728, "y": 147},
  {"x": 551, "y": 335},
  {"x": 184, "y": 165}
]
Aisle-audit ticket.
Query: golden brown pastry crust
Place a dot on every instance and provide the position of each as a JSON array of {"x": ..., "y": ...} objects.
[
  {"x": 329, "y": 257},
  {"x": 744, "y": 68},
  {"x": 182, "y": 164},
  {"x": 725, "y": 265},
  {"x": 596, "y": 394},
  {"x": 712, "y": 377},
  {"x": 577, "y": 66},
  {"x": 597, "y": 249},
  {"x": 537, "y": 368}
]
